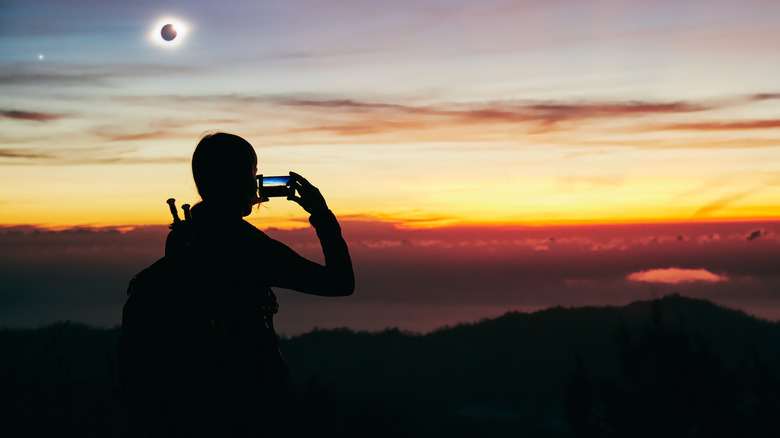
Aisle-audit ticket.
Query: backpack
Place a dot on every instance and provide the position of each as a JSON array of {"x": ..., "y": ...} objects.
[
  {"x": 170, "y": 361},
  {"x": 176, "y": 372}
]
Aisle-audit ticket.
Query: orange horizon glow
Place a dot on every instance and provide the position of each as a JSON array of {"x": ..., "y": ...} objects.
[
  {"x": 416, "y": 224},
  {"x": 527, "y": 204}
]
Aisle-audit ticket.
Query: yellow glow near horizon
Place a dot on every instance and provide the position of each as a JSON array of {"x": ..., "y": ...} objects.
[
  {"x": 445, "y": 190},
  {"x": 159, "y": 215},
  {"x": 121, "y": 205}
]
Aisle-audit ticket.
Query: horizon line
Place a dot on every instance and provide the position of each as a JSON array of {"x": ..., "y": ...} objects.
[{"x": 418, "y": 224}]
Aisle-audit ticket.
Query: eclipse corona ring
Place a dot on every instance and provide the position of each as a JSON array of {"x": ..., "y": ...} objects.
[{"x": 168, "y": 32}]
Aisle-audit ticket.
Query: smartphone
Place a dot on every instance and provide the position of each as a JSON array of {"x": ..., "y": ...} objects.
[{"x": 274, "y": 186}]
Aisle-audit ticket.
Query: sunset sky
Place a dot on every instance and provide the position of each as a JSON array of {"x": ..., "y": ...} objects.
[{"x": 514, "y": 119}]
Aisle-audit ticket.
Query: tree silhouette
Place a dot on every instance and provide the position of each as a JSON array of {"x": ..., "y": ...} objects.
[{"x": 671, "y": 383}]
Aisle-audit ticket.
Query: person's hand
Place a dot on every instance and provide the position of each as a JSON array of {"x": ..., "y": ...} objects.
[{"x": 309, "y": 197}]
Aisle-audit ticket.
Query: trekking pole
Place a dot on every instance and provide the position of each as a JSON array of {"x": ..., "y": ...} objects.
[{"x": 172, "y": 204}]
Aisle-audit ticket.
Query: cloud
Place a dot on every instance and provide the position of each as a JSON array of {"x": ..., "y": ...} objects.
[
  {"x": 87, "y": 269},
  {"x": 163, "y": 129},
  {"x": 618, "y": 109},
  {"x": 725, "y": 201},
  {"x": 320, "y": 119},
  {"x": 512, "y": 111},
  {"x": 63, "y": 74},
  {"x": 31, "y": 115},
  {"x": 457, "y": 121},
  {"x": 30, "y": 78},
  {"x": 365, "y": 128},
  {"x": 498, "y": 111},
  {"x": 341, "y": 103},
  {"x": 765, "y": 96},
  {"x": 27, "y": 154},
  {"x": 153, "y": 135},
  {"x": 754, "y": 235},
  {"x": 673, "y": 143},
  {"x": 676, "y": 276},
  {"x": 92, "y": 155},
  {"x": 723, "y": 126},
  {"x": 721, "y": 203}
]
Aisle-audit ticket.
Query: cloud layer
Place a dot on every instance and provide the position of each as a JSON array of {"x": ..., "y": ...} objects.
[
  {"x": 291, "y": 120},
  {"x": 81, "y": 274}
]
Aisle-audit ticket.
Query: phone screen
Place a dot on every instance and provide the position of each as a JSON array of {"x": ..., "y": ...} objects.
[
  {"x": 273, "y": 181},
  {"x": 274, "y": 186}
]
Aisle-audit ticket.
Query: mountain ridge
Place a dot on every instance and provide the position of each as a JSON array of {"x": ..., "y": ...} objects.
[{"x": 488, "y": 377}]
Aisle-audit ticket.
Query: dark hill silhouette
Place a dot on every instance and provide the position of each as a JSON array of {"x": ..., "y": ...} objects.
[
  {"x": 519, "y": 374},
  {"x": 510, "y": 370}
]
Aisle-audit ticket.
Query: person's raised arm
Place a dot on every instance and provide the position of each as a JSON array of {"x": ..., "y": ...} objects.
[{"x": 336, "y": 278}]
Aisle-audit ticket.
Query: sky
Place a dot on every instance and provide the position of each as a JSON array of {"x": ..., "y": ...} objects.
[{"x": 606, "y": 119}]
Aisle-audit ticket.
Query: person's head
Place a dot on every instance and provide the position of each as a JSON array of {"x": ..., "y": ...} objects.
[{"x": 224, "y": 168}]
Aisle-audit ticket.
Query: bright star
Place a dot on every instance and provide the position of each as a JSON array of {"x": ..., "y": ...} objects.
[{"x": 40, "y": 56}]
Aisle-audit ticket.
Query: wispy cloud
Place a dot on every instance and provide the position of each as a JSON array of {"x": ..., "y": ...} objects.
[
  {"x": 510, "y": 111},
  {"x": 765, "y": 96},
  {"x": 311, "y": 119},
  {"x": 351, "y": 118},
  {"x": 93, "y": 155},
  {"x": 322, "y": 119},
  {"x": 152, "y": 135},
  {"x": 24, "y": 153},
  {"x": 771, "y": 180},
  {"x": 21, "y": 74},
  {"x": 721, "y": 203},
  {"x": 348, "y": 104},
  {"x": 31, "y": 115},
  {"x": 675, "y": 143},
  {"x": 723, "y": 126},
  {"x": 21, "y": 78}
]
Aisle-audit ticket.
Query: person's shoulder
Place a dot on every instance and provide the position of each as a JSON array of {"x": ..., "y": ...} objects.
[
  {"x": 260, "y": 237},
  {"x": 253, "y": 231}
]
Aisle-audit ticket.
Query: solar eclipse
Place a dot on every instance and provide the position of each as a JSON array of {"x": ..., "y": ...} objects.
[{"x": 168, "y": 32}]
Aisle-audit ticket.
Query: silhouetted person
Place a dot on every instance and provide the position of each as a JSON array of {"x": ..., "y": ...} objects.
[{"x": 234, "y": 381}]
